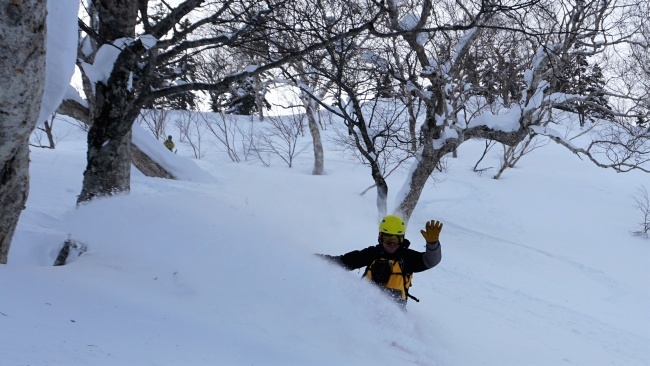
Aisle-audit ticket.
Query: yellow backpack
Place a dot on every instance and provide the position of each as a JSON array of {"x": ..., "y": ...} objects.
[{"x": 387, "y": 273}]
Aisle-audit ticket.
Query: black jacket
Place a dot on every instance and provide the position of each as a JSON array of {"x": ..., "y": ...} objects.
[{"x": 414, "y": 261}]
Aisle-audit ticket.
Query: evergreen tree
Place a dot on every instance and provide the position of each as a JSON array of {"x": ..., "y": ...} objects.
[
  {"x": 384, "y": 85},
  {"x": 580, "y": 78},
  {"x": 243, "y": 98},
  {"x": 184, "y": 71}
]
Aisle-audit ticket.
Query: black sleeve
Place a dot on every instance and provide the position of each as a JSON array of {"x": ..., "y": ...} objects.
[{"x": 355, "y": 259}]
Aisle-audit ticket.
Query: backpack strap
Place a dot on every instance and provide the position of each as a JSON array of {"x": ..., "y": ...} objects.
[
  {"x": 411, "y": 296},
  {"x": 406, "y": 288},
  {"x": 377, "y": 254}
]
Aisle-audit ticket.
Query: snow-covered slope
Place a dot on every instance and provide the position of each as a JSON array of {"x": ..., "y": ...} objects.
[{"x": 539, "y": 268}]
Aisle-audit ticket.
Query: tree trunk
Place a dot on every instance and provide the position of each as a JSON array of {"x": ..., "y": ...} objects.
[
  {"x": 382, "y": 189},
  {"x": 382, "y": 197},
  {"x": 426, "y": 163},
  {"x": 108, "y": 169},
  {"x": 414, "y": 186},
  {"x": 22, "y": 71},
  {"x": 14, "y": 180},
  {"x": 310, "y": 110},
  {"x": 47, "y": 128},
  {"x": 410, "y": 101},
  {"x": 260, "y": 90}
]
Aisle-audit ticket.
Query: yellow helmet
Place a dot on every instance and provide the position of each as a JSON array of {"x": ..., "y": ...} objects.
[{"x": 392, "y": 224}]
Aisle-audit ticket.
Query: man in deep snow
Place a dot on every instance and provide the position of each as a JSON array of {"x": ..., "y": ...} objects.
[
  {"x": 391, "y": 264},
  {"x": 169, "y": 143}
]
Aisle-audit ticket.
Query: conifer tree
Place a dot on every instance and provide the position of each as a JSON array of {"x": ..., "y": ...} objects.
[{"x": 579, "y": 77}]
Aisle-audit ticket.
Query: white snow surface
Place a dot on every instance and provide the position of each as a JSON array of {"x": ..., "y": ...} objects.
[
  {"x": 506, "y": 122},
  {"x": 538, "y": 268}
]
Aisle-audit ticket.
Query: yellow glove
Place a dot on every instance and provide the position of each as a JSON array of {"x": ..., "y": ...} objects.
[{"x": 432, "y": 231}]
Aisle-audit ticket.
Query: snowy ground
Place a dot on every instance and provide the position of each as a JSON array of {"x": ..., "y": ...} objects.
[{"x": 538, "y": 268}]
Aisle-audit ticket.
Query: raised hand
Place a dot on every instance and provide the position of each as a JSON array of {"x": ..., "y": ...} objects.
[{"x": 432, "y": 230}]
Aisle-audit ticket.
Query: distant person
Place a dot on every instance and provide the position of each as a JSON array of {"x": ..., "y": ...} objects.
[
  {"x": 169, "y": 143},
  {"x": 391, "y": 264}
]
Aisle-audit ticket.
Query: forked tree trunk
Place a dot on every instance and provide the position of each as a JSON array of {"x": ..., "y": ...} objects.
[
  {"x": 414, "y": 186},
  {"x": 22, "y": 71}
]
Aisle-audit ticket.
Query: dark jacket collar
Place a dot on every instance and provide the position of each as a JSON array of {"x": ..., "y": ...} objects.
[{"x": 398, "y": 253}]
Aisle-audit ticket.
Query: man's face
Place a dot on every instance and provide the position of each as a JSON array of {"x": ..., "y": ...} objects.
[{"x": 390, "y": 242}]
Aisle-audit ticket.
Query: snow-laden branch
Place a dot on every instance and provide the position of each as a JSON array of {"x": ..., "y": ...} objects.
[{"x": 102, "y": 67}]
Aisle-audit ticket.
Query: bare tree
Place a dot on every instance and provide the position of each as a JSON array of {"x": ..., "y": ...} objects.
[
  {"x": 441, "y": 85},
  {"x": 512, "y": 154},
  {"x": 312, "y": 87},
  {"x": 642, "y": 202},
  {"x": 471, "y": 63},
  {"x": 488, "y": 146},
  {"x": 156, "y": 121},
  {"x": 314, "y": 123},
  {"x": 193, "y": 128},
  {"x": 22, "y": 71},
  {"x": 374, "y": 127},
  {"x": 281, "y": 137},
  {"x": 116, "y": 97},
  {"x": 223, "y": 127},
  {"x": 635, "y": 70},
  {"x": 47, "y": 130},
  {"x": 183, "y": 124},
  {"x": 250, "y": 142}
]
